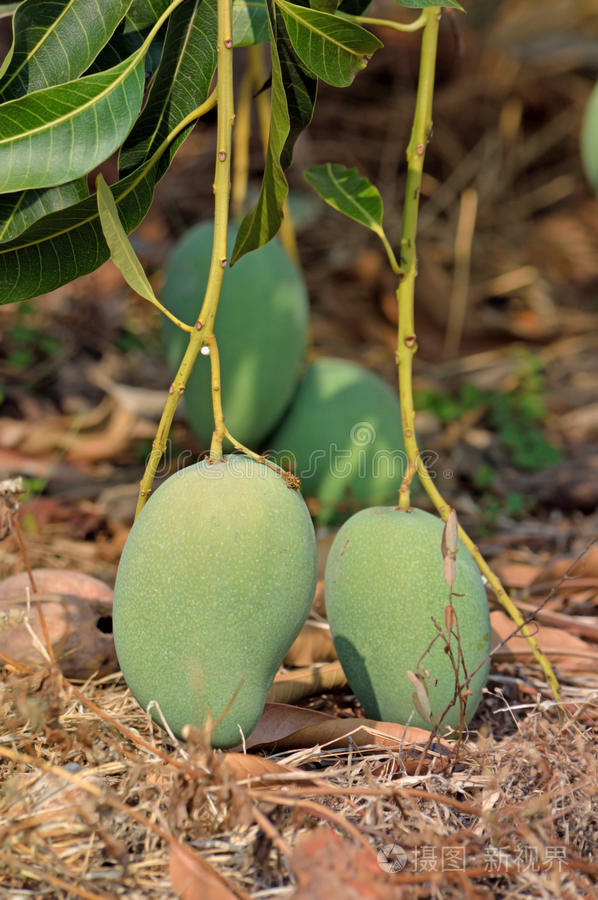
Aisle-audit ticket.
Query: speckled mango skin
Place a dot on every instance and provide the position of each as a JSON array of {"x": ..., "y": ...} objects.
[
  {"x": 384, "y": 582},
  {"x": 215, "y": 582},
  {"x": 342, "y": 433},
  {"x": 261, "y": 329}
]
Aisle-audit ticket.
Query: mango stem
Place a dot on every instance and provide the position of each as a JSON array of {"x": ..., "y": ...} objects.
[{"x": 407, "y": 339}]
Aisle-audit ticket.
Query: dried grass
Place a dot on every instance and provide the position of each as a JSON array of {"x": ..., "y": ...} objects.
[
  {"x": 90, "y": 803},
  {"x": 93, "y": 796}
]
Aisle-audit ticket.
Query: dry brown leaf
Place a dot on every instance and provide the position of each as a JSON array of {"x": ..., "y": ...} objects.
[
  {"x": 313, "y": 644},
  {"x": 292, "y": 727},
  {"x": 585, "y": 567},
  {"x": 515, "y": 574},
  {"x": 292, "y": 686},
  {"x": 244, "y": 766},
  {"x": 57, "y": 581},
  {"x": 77, "y": 611},
  {"x": 329, "y": 867},
  {"x": 566, "y": 651},
  {"x": 195, "y": 879},
  {"x": 584, "y": 626}
]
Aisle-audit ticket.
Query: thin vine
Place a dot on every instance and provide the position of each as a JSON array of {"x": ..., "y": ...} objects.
[{"x": 407, "y": 339}]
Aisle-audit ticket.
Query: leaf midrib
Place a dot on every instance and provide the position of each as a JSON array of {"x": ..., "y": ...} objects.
[
  {"x": 40, "y": 43},
  {"x": 349, "y": 197},
  {"x": 129, "y": 64},
  {"x": 162, "y": 117},
  {"x": 288, "y": 8}
]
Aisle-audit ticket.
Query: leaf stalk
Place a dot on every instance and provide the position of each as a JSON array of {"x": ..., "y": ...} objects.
[{"x": 406, "y": 27}]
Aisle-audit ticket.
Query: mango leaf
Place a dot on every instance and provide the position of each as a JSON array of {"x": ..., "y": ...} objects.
[
  {"x": 329, "y": 6},
  {"x": 121, "y": 251},
  {"x": 43, "y": 56},
  {"x": 21, "y": 209},
  {"x": 70, "y": 243},
  {"x": 333, "y": 49},
  {"x": 181, "y": 83},
  {"x": 130, "y": 35},
  {"x": 250, "y": 22},
  {"x": 348, "y": 192},
  {"x": 55, "y": 41},
  {"x": 62, "y": 132},
  {"x": 423, "y": 4},
  {"x": 293, "y": 98},
  {"x": 55, "y": 135}
]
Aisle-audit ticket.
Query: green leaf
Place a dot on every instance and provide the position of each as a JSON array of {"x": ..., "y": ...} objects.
[
  {"x": 348, "y": 192},
  {"x": 181, "y": 84},
  {"x": 7, "y": 9},
  {"x": 20, "y": 210},
  {"x": 424, "y": 4},
  {"x": 55, "y": 41},
  {"x": 123, "y": 255},
  {"x": 250, "y": 22},
  {"x": 329, "y": 6},
  {"x": 70, "y": 243},
  {"x": 333, "y": 49},
  {"x": 62, "y": 132},
  {"x": 57, "y": 134},
  {"x": 293, "y": 98},
  {"x": 130, "y": 35}
]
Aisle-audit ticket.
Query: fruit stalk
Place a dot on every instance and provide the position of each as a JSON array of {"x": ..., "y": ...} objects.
[
  {"x": 204, "y": 327},
  {"x": 407, "y": 339}
]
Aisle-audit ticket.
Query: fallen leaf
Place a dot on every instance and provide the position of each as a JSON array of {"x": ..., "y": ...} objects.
[
  {"x": 195, "y": 879},
  {"x": 292, "y": 686},
  {"x": 57, "y": 581},
  {"x": 313, "y": 644},
  {"x": 566, "y": 651},
  {"x": 247, "y": 766},
  {"x": 328, "y": 866},
  {"x": 584, "y": 626},
  {"x": 77, "y": 611},
  {"x": 585, "y": 567},
  {"x": 292, "y": 727},
  {"x": 515, "y": 574}
]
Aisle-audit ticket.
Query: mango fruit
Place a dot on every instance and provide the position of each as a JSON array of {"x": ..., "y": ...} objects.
[
  {"x": 261, "y": 329},
  {"x": 215, "y": 581},
  {"x": 384, "y": 588},
  {"x": 342, "y": 435},
  {"x": 589, "y": 139}
]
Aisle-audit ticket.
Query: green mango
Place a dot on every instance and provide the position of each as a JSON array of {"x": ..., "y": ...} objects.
[
  {"x": 261, "y": 329},
  {"x": 215, "y": 582},
  {"x": 384, "y": 588},
  {"x": 589, "y": 139},
  {"x": 342, "y": 435}
]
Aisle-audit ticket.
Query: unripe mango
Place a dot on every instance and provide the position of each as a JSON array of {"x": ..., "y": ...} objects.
[
  {"x": 261, "y": 329},
  {"x": 215, "y": 581},
  {"x": 384, "y": 586},
  {"x": 589, "y": 139},
  {"x": 342, "y": 434}
]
